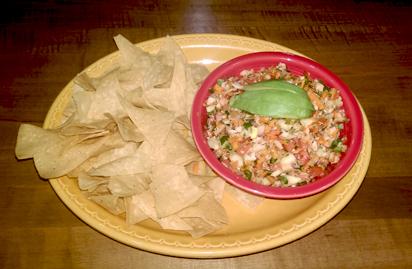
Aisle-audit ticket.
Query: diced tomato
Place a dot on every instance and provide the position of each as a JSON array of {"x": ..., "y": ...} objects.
[
  {"x": 290, "y": 146},
  {"x": 242, "y": 150},
  {"x": 316, "y": 171},
  {"x": 254, "y": 79},
  {"x": 226, "y": 163},
  {"x": 226, "y": 107},
  {"x": 302, "y": 156},
  {"x": 273, "y": 133},
  {"x": 302, "y": 145},
  {"x": 275, "y": 166}
]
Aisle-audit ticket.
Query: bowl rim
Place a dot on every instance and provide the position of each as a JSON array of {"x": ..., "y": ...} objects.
[{"x": 258, "y": 60}]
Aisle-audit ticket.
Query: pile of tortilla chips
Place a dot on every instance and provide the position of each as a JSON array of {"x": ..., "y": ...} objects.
[{"x": 126, "y": 138}]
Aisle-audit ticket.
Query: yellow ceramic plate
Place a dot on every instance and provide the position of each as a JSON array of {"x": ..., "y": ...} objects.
[{"x": 274, "y": 223}]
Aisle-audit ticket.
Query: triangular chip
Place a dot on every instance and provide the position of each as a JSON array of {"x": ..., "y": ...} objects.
[
  {"x": 157, "y": 74},
  {"x": 105, "y": 99},
  {"x": 248, "y": 200},
  {"x": 86, "y": 182},
  {"x": 127, "y": 129},
  {"x": 176, "y": 150},
  {"x": 84, "y": 81},
  {"x": 199, "y": 72},
  {"x": 169, "y": 51},
  {"x": 172, "y": 189},
  {"x": 83, "y": 102},
  {"x": 206, "y": 208},
  {"x": 178, "y": 102},
  {"x": 59, "y": 159},
  {"x": 129, "y": 165},
  {"x": 133, "y": 213},
  {"x": 32, "y": 139},
  {"x": 146, "y": 203},
  {"x": 199, "y": 180},
  {"x": 154, "y": 125},
  {"x": 158, "y": 97},
  {"x": 128, "y": 185},
  {"x": 108, "y": 201},
  {"x": 132, "y": 54},
  {"x": 217, "y": 185},
  {"x": 201, "y": 227}
]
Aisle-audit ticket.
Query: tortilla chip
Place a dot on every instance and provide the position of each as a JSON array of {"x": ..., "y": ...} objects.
[
  {"x": 136, "y": 98},
  {"x": 84, "y": 81},
  {"x": 248, "y": 200},
  {"x": 133, "y": 164},
  {"x": 132, "y": 78},
  {"x": 201, "y": 227},
  {"x": 207, "y": 208},
  {"x": 132, "y": 54},
  {"x": 52, "y": 163},
  {"x": 114, "y": 141},
  {"x": 199, "y": 168},
  {"x": 178, "y": 102},
  {"x": 190, "y": 90},
  {"x": 105, "y": 99},
  {"x": 103, "y": 158},
  {"x": 83, "y": 101},
  {"x": 133, "y": 213},
  {"x": 157, "y": 74},
  {"x": 176, "y": 150},
  {"x": 98, "y": 190},
  {"x": 128, "y": 185},
  {"x": 71, "y": 106},
  {"x": 198, "y": 72},
  {"x": 199, "y": 180},
  {"x": 172, "y": 189},
  {"x": 86, "y": 128},
  {"x": 217, "y": 185},
  {"x": 146, "y": 203},
  {"x": 157, "y": 97},
  {"x": 108, "y": 201},
  {"x": 169, "y": 51},
  {"x": 154, "y": 125},
  {"x": 126, "y": 138},
  {"x": 86, "y": 182},
  {"x": 32, "y": 139},
  {"x": 127, "y": 129},
  {"x": 184, "y": 120}
]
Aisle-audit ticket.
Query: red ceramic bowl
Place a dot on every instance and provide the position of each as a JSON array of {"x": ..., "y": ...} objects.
[{"x": 297, "y": 65}]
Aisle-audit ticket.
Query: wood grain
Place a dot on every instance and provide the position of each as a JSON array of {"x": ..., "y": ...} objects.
[{"x": 368, "y": 44}]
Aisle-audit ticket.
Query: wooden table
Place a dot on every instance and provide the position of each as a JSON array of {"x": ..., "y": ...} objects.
[{"x": 366, "y": 43}]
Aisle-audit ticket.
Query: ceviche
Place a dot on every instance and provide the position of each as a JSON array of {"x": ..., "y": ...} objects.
[{"x": 278, "y": 152}]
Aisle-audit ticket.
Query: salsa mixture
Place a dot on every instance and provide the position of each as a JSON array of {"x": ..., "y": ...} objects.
[{"x": 278, "y": 152}]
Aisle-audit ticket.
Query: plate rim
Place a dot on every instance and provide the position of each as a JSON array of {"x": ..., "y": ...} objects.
[{"x": 206, "y": 250}]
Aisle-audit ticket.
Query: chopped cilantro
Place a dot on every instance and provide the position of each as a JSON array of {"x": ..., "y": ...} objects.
[
  {"x": 223, "y": 139},
  {"x": 335, "y": 144},
  {"x": 228, "y": 146},
  {"x": 346, "y": 119},
  {"x": 248, "y": 174},
  {"x": 211, "y": 90},
  {"x": 283, "y": 179},
  {"x": 248, "y": 124},
  {"x": 220, "y": 81}
]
